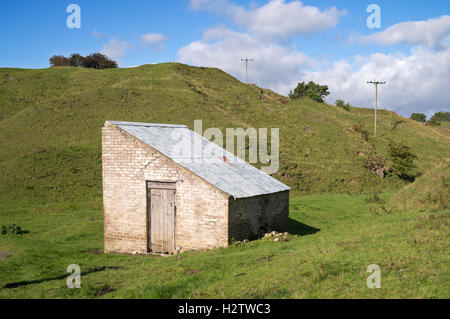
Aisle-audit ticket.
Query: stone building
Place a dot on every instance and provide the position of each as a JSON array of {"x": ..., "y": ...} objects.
[{"x": 163, "y": 193}]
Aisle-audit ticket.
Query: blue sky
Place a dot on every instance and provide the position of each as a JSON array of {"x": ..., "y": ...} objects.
[{"x": 290, "y": 41}]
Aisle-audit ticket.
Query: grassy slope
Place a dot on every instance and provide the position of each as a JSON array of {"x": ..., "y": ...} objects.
[
  {"x": 50, "y": 124},
  {"x": 431, "y": 191},
  {"x": 51, "y": 185}
]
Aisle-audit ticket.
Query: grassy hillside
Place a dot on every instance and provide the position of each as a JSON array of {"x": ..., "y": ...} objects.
[
  {"x": 50, "y": 185},
  {"x": 50, "y": 124}
]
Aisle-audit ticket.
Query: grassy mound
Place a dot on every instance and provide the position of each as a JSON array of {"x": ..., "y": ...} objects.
[{"x": 431, "y": 191}]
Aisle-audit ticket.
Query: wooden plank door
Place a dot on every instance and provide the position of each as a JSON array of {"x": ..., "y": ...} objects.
[{"x": 161, "y": 219}]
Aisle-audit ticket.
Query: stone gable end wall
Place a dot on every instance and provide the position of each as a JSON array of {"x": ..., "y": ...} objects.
[
  {"x": 201, "y": 213},
  {"x": 250, "y": 217}
]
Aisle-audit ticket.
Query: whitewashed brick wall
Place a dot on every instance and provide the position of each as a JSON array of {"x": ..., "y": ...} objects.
[{"x": 202, "y": 210}]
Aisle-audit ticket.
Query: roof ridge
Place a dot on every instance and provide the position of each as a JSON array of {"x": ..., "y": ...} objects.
[{"x": 125, "y": 123}]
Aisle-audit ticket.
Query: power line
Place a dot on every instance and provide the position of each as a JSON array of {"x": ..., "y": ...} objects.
[
  {"x": 246, "y": 66},
  {"x": 376, "y": 83}
]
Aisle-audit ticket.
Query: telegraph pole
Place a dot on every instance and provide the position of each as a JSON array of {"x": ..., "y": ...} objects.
[
  {"x": 246, "y": 66},
  {"x": 376, "y": 83}
]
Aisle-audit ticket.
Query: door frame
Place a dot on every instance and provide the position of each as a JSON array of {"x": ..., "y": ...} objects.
[{"x": 167, "y": 185}]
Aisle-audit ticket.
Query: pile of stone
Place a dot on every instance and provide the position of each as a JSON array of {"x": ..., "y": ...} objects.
[{"x": 276, "y": 236}]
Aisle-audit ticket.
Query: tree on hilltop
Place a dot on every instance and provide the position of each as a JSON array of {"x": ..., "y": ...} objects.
[
  {"x": 441, "y": 117},
  {"x": 312, "y": 90},
  {"x": 419, "y": 117},
  {"x": 94, "y": 61}
]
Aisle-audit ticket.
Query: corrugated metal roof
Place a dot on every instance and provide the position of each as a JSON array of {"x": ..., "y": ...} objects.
[{"x": 205, "y": 159}]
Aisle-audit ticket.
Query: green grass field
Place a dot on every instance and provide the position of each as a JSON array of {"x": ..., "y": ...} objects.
[
  {"x": 333, "y": 238},
  {"x": 50, "y": 185}
]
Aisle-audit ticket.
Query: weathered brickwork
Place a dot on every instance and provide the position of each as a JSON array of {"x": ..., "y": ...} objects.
[
  {"x": 251, "y": 217},
  {"x": 202, "y": 210},
  {"x": 205, "y": 218}
]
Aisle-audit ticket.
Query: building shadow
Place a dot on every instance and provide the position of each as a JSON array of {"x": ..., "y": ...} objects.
[
  {"x": 297, "y": 228},
  {"x": 63, "y": 276}
]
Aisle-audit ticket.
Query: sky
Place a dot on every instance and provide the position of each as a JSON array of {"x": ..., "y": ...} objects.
[{"x": 337, "y": 43}]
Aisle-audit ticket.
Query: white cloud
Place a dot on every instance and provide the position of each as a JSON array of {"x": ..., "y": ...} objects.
[
  {"x": 275, "y": 19},
  {"x": 415, "y": 83},
  {"x": 115, "y": 49},
  {"x": 155, "y": 40},
  {"x": 432, "y": 33},
  {"x": 273, "y": 66},
  {"x": 97, "y": 34}
]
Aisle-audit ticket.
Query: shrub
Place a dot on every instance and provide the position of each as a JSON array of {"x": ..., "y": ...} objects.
[
  {"x": 434, "y": 122},
  {"x": 403, "y": 161},
  {"x": 440, "y": 117},
  {"x": 312, "y": 90},
  {"x": 76, "y": 60},
  {"x": 419, "y": 117},
  {"x": 343, "y": 105},
  {"x": 94, "y": 61},
  {"x": 99, "y": 61},
  {"x": 12, "y": 229},
  {"x": 59, "y": 60}
]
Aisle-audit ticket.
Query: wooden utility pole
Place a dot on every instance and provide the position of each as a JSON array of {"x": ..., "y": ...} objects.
[
  {"x": 376, "y": 83},
  {"x": 246, "y": 66}
]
